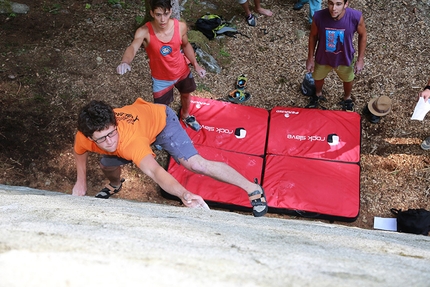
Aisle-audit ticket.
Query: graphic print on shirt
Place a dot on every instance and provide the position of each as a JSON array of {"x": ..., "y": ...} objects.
[
  {"x": 129, "y": 118},
  {"x": 334, "y": 40},
  {"x": 165, "y": 50}
]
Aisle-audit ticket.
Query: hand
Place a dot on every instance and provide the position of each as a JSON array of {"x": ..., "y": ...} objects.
[
  {"x": 358, "y": 67},
  {"x": 79, "y": 190},
  {"x": 194, "y": 201},
  {"x": 123, "y": 68},
  {"x": 310, "y": 64},
  {"x": 425, "y": 94},
  {"x": 200, "y": 71}
]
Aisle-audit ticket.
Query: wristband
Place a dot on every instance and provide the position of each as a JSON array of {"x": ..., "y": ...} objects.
[{"x": 427, "y": 88}]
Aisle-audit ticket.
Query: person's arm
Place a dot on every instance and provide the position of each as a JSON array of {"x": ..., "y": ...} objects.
[
  {"x": 80, "y": 188},
  {"x": 362, "y": 42},
  {"x": 313, "y": 39},
  {"x": 189, "y": 51},
  {"x": 426, "y": 92},
  {"x": 168, "y": 183},
  {"x": 139, "y": 37}
]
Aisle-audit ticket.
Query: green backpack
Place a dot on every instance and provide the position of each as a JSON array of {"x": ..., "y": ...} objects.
[{"x": 212, "y": 25}]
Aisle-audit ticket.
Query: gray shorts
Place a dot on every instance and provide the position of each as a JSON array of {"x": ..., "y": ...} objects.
[{"x": 172, "y": 138}]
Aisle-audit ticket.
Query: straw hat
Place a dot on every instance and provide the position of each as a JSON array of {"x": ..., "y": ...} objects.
[{"x": 380, "y": 106}]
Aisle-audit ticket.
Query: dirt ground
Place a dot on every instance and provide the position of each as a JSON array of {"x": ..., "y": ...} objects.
[{"x": 62, "y": 54}]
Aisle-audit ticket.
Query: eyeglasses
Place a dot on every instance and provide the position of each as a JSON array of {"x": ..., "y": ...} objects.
[{"x": 103, "y": 139}]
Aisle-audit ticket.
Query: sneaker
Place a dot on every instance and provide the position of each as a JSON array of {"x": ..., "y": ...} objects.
[
  {"x": 251, "y": 20},
  {"x": 425, "y": 145},
  {"x": 347, "y": 105},
  {"x": 191, "y": 122},
  {"x": 315, "y": 102}
]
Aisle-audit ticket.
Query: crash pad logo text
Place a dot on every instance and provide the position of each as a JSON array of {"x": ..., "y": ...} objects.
[
  {"x": 218, "y": 130},
  {"x": 304, "y": 137},
  {"x": 287, "y": 113}
]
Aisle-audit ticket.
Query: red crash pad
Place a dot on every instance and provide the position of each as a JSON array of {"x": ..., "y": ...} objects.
[
  {"x": 314, "y": 133},
  {"x": 229, "y": 126},
  {"x": 310, "y": 187},
  {"x": 214, "y": 191},
  {"x": 310, "y": 161}
]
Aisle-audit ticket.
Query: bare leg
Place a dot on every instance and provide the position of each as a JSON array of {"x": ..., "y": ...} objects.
[
  {"x": 245, "y": 7},
  {"x": 113, "y": 174},
  {"x": 318, "y": 87},
  {"x": 185, "y": 103},
  {"x": 219, "y": 171},
  {"x": 190, "y": 121},
  {"x": 261, "y": 10},
  {"x": 347, "y": 88}
]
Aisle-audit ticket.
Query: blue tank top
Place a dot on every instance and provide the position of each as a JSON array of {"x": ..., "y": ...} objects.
[{"x": 335, "y": 43}]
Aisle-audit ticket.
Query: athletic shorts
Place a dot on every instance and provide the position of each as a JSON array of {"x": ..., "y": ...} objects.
[
  {"x": 241, "y": 1},
  {"x": 163, "y": 90},
  {"x": 345, "y": 73},
  {"x": 172, "y": 138}
]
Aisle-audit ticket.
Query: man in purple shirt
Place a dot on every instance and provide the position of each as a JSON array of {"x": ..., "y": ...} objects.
[{"x": 332, "y": 34}]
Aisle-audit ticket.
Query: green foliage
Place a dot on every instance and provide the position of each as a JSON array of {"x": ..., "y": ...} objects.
[
  {"x": 115, "y": 2},
  {"x": 224, "y": 53},
  {"x": 40, "y": 98},
  {"x": 139, "y": 20},
  {"x": 87, "y": 6},
  {"x": 262, "y": 48},
  {"x": 20, "y": 51},
  {"x": 5, "y": 5},
  {"x": 202, "y": 87},
  {"x": 53, "y": 9},
  {"x": 282, "y": 80}
]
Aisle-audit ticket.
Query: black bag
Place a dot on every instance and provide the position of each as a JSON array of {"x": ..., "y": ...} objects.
[
  {"x": 212, "y": 25},
  {"x": 308, "y": 85},
  {"x": 416, "y": 221}
]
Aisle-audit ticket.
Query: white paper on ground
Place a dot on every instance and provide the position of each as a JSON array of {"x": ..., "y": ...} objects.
[
  {"x": 389, "y": 224},
  {"x": 421, "y": 109}
]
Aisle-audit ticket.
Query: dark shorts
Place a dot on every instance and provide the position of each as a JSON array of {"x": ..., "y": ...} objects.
[
  {"x": 172, "y": 138},
  {"x": 185, "y": 86},
  {"x": 113, "y": 160}
]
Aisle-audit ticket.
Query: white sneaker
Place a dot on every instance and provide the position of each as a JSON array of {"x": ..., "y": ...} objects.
[
  {"x": 251, "y": 20},
  {"x": 425, "y": 145}
]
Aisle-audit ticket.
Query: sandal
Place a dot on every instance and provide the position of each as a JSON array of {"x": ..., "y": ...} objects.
[
  {"x": 241, "y": 82},
  {"x": 258, "y": 202},
  {"x": 238, "y": 96},
  {"x": 109, "y": 190}
]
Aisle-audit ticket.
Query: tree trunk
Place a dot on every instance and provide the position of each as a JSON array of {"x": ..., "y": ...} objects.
[
  {"x": 147, "y": 14},
  {"x": 176, "y": 12}
]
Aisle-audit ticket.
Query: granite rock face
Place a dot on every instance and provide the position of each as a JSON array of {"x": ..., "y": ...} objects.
[{"x": 55, "y": 239}]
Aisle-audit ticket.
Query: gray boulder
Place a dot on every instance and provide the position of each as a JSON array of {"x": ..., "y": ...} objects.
[{"x": 7, "y": 7}]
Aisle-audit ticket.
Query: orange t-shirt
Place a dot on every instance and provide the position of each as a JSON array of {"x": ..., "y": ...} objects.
[{"x": 138, "y": 126}]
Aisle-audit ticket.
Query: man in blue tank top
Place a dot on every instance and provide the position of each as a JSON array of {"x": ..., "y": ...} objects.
[{"x": 332, "y": 34}]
